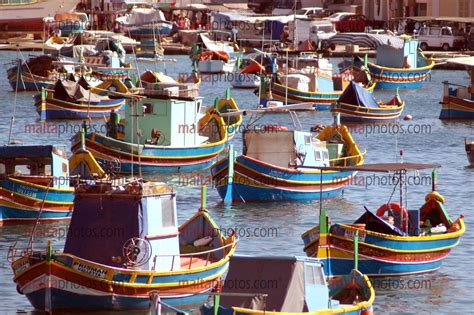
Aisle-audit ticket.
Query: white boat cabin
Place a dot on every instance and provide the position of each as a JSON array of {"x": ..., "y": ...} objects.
[{"x": 278, "y": 146}]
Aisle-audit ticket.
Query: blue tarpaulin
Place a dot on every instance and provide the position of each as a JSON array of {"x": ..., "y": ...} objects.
[{"x": 357, "y": 95}]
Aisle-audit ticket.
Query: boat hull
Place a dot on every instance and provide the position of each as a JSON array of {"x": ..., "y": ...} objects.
[
  {"x": 216, "y": 66},
  {"x": 380, "y": 254},
  {"x": 366, "y": 114},
  {"x": 320, "y": 100},
  {"x": 258, "y": 182},
  {"x": 52, "y": 108},
  {"x": 456, "y": 108},
  {"x": 152, "y": 158},
  {"x": 28, "y": 82},
  {"x": 21, "y": 201},
  {"x": 399, "y": 78},
  {"x": 245, "y": 81}
]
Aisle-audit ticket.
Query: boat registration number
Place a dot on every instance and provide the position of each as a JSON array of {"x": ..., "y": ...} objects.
[
  {"x": 93, "y": 271},
  {"x": 351, "y": 234}
]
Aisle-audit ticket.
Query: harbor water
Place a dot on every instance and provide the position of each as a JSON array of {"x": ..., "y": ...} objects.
[{"x": 275, "y": 228}]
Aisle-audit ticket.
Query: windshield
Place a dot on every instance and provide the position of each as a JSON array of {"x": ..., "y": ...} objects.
[{"x": 335, "y": 15}]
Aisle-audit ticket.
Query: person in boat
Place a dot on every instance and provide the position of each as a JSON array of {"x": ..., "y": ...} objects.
[{"x": 112, "y": 124}]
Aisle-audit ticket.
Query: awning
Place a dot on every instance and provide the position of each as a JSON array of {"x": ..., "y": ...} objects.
[
  {"x": 466, "y": 61},
  {"x": 366, "y": 40}
]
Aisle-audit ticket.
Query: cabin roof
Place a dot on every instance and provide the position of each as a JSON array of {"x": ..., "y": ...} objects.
[{"x": 26, "y": 151}]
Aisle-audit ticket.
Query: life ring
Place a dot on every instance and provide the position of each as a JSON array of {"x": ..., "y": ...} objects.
[
  {"x": 395, "y": 207},
  {"x": 434, "y": 195},
  {"x": 155, "y": 134},
  {"x": 274, "y": 128}
]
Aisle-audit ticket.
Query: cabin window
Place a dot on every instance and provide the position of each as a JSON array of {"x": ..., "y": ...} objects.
[
  {"x": 317, "y": 155},
  {"x": 435, "y": 31},
  {"x": 2, "y": 168},
  {"x": 325, "y": 155},
  {"x": 148, "y": 108},
  {"x": 167, "y": 212},
  {"x": 65, "y": 168},
  {"x": 307, "y": 139},
  {"x": 23, "y": 169}
]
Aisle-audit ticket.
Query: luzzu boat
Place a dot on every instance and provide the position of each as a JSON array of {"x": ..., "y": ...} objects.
[
  {"x": 280, "y": 164},
  {"x": 317, "y": 86},
  {"x": 176, "y": 134},
  {"x": 216, "y": 56},
  {"x": 399, "y": 64},
  {"x": 77, "y": 100},
  {"x": 36, "y": 73},
  {"x": 357, "y": 104},
  {"x": 392, "y": 241},
  {"x": 400, "y": 67},
  {"x": 458, "y": 100},
  {"x": 247, "y": 76},
  {"x": 35, "y": 184},
  {"x": 134, "y": 248},
  {"x": 289, "y": 285}
]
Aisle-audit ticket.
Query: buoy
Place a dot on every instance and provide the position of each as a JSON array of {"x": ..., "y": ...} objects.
[{"x": 408, "y": 117}]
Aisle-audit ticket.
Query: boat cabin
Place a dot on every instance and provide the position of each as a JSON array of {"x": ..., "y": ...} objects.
[
  {"x": 404, "y": 56},
  {"x": 292, "y": 284},
  {"x": 140, "y": 220},
  {"x": 295, "y": 148},
  {"x": 45, "y": 165}
]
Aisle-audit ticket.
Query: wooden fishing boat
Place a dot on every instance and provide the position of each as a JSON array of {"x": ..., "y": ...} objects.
[
  {"x": 401, "y": 67},
  {"x": 248, "y": 74},
  {"x": 215, "y": 56},
  {"x": 398, "y": 64},
  {"x": 172, "y": 138},
  {"x": 144, "y": 251},
  {"x": 77, "y": 100},
  {"x": 34, "y": 184},
  {"x": 470, "y": 151},
  {"x": 289, "y": 285},
  {"x": 357, "y": 104},
  {"x": 36, "y": 73},
  {"x": 280, "y": 164},
  {"x": 458, "y": 100},
  {"x": 392, "y": 241},
  {"x": 317, "y": 87}
]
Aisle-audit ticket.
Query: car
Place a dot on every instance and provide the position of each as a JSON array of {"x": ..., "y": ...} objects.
[
  {"x": 439, "y": 37},
  {"x": 351, "y": 23},
  {"x": 336, "y": 17},
  {"x": 382, "y": 32}
]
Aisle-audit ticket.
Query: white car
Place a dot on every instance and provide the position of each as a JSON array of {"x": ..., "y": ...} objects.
[
  {"x": 439, "y": 37},
  {"x": 382, "y": 32},
  {"x": 301, "y": 13}
]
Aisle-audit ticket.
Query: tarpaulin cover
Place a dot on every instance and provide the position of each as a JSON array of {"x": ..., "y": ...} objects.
[
  {"x": 142, "y": 16},
  {"x": 74, "y": 91},
  {"x": 357, "y": 95},
  {"x": 366, "y": 40},
  {"x": 26, "y": 151},
  {"x": 101, "y": 225},
  {"x": 377, "y": 224},
  {"x": 282, "y": 278}
]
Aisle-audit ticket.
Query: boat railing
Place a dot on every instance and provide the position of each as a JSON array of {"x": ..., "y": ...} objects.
[
  {"x": 456, "y": 90},
  {"x": 188, "y": 90},
  {"x": 346, "y": 160}
]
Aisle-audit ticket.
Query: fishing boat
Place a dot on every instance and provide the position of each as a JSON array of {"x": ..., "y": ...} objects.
[
  {"x": 247, "y": 76},
  {"x": 399, "y": 63},
  {"x": 71, "y": 99},
  {"x": 278, "y": 164},
  {"x": 394, "y": 240},
  {"x": 176, "y": 134},
  {"x": 140, "y": 251},
  {"x": 458, "y": 100},
  {"x": 34, "y": 184},
  {"x": 470, "y": 151},
  {"x": 215, "y": 56},
  {"x": 36, "y": 73},
  {"x": 316, "y": 85},
  {"x": 358, "y": 104},
  {"x": 289, "y": 285}
]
